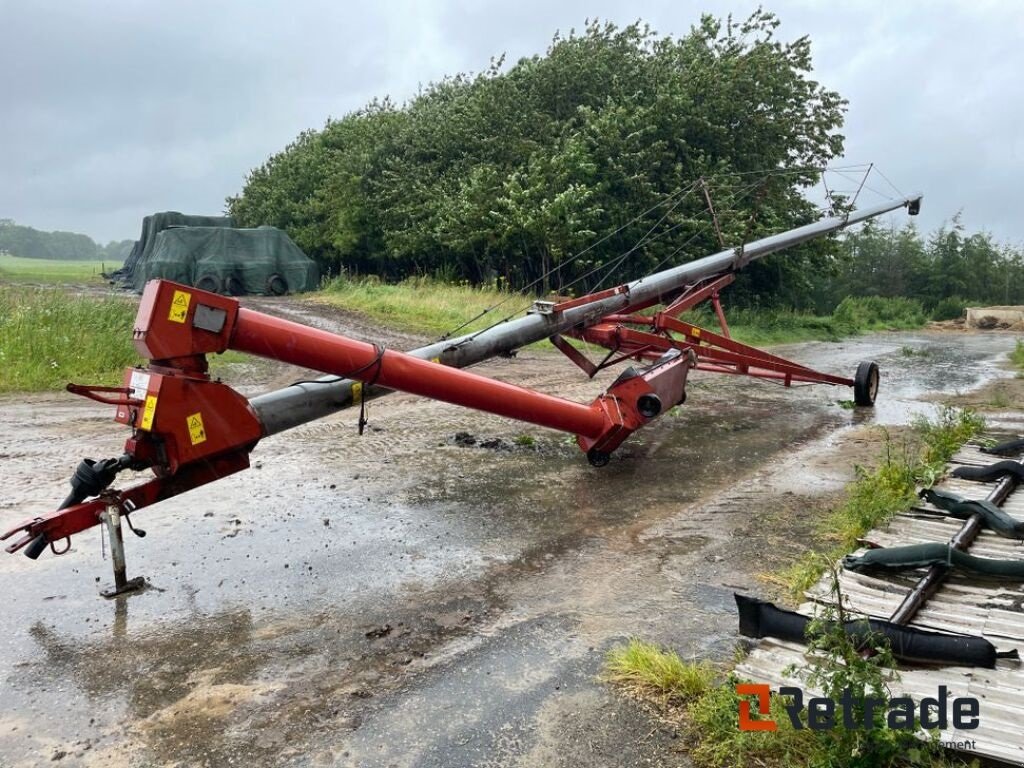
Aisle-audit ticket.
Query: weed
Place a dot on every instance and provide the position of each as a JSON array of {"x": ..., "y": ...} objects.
[
  {"x": 708, "y": 709},
  {"x": 652, "y": 671},
  {"x": 525, "y": 441},
  {"x": 1017, "y": 356},
  {"x": 876, "y": 495},
  {"x": 908, "y": 351}
]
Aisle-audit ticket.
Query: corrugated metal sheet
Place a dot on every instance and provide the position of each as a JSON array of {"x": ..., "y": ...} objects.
[{"x": 965, "y": 604}]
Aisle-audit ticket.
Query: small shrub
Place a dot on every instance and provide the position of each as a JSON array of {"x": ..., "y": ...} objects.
[
  {"x": 950, "y": 308},
  {"x": 876, "y": 313}
]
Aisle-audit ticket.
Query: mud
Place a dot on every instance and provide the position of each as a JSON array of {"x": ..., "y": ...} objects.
[{"x": 412, "y": 599}]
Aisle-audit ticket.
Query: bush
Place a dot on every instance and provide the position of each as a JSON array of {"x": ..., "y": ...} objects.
[
  {"x": 950, "y": 308},
  {"x": 875, "y": 313}
]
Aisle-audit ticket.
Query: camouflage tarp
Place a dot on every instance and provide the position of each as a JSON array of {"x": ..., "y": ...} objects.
[
  {"x": 153, "y": 225},
  {"x": 232, "y": 261},
  {"x": 209, "y": 253}
]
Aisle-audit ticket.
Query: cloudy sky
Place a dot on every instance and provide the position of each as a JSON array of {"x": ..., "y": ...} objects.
[{"x": 112, "y": 110}]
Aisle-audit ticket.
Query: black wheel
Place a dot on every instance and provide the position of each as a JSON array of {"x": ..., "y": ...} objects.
[
  {"x": 865, "y": 384},
  {"x": 209, "y": 283},
  {"x": 233, "y": 286},
  {"x": 276, "y": 286},
  {"x": 597, "y": 458}
]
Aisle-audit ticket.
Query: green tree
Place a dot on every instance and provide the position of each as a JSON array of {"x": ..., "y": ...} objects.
[{"x": 514, "y": 171}]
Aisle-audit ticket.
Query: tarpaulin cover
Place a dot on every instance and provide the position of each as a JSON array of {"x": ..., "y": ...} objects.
[
  {"x": 762, "y": 619},
  {"x": 154, "y": 224},
  {"x": 962, "y": 508},
  {"x": 990, "y": 473},
  {"x": 209, "y": 253},
  {"x": 933, "y": 553},
  {"x": 228, "y": 260},
  {"x": 1009, "y": 448}
]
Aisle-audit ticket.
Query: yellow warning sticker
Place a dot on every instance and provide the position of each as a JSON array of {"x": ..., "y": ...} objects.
[
  {"x": 357, "y": 392},
  {"x": 179, "y": 306},
  {"x": 695, "y": 333},
  {"x": 196, "y": 430},
  {"x": 148, "y": 411}
]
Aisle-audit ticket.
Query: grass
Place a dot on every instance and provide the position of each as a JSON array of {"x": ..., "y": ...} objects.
[
  {"x": 49, "y": 337},
  {"x": 14, "y": 269},
  {"x": 876, "y": 495},
  {"x": 853, "y": 316},
  {"x": 1017, "y": 356},
  {"x": 433, "y": 307},
  {"x": 658, "y": 673},
  {"x": 421, "y": 304},
  {"x": 705, "y": 704},
  {"x": 707, "y": 708}
]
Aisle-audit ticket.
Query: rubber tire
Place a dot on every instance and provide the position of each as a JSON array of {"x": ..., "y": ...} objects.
[
  {"x": 210, "y": 283},
  {"x": 276, "y": 286},
  {"x": 865, "y": 384},
  {"x": 233, "y": 286}
]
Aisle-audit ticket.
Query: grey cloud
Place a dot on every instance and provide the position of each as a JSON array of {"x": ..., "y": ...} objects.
[{"x": 112, "y": 110}]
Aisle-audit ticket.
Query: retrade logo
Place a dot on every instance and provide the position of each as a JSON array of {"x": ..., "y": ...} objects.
[
  {"x": 853, "y": 712},
  {"x": 763, "y": 693}
]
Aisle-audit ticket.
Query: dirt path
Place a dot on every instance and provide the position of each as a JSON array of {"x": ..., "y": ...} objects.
[{"x": 404, "y": 599}]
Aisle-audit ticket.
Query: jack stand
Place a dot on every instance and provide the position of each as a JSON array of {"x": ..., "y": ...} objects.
[{"x": 112, "y": 519}]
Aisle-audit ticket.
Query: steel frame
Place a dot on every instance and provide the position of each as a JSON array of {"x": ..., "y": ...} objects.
[{"x": 715, "y": 352}]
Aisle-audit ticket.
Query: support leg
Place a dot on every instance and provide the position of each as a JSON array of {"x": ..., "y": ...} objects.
[{"x": 111, "y": 517}]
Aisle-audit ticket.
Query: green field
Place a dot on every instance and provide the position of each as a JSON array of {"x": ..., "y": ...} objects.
[{"x": 14, "y": 269}]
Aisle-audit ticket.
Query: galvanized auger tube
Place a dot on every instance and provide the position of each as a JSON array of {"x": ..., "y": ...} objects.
[{"x": 301, "y": 403}]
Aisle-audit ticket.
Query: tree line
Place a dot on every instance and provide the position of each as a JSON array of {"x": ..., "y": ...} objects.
[
  {"x": 29, "y": 243},
  {"x": 576, "y": 169},
  {"x": 571, "y": 168},
  {"x": 947, "y": 270}
]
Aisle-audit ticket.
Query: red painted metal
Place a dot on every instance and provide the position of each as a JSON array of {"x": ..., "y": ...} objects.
[
  {"x": 717, "y": 304},
  {"x": 190, "y": 430},
  {"x": 588, "y": 299},
  {"x": 575, "y": 355},
  {"x": 697, "y": 294},
  {"x": 729, "y": 350},
  {"x": 278, "y": 339},
  {"x": 64, "y": 523},
  {"x": 183, "y": 324},
  {"x": 184, "y": 419},
  {"x": 715, "y": 352}
]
